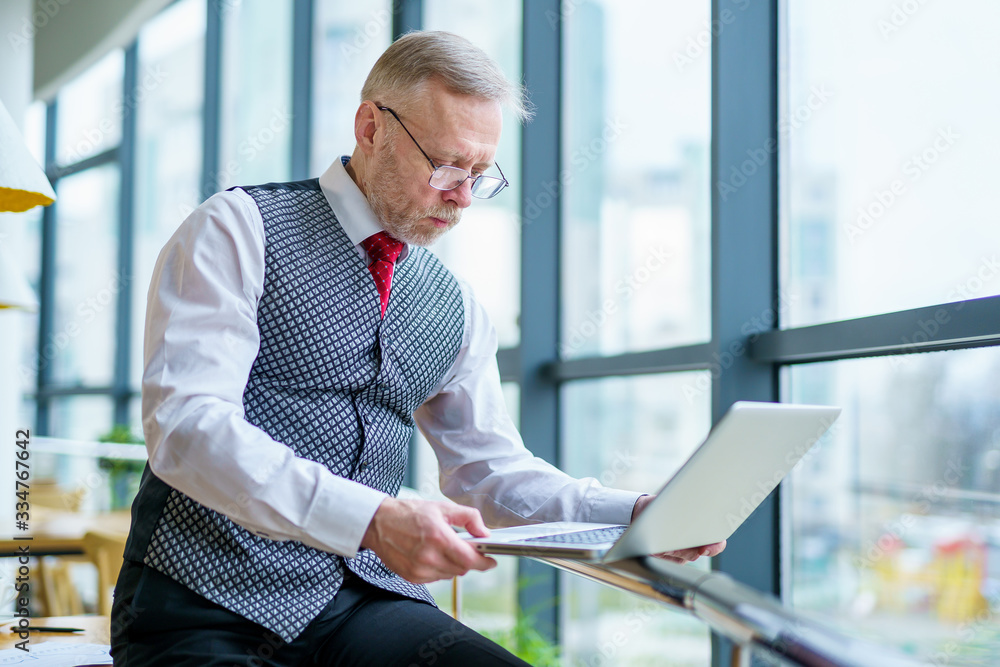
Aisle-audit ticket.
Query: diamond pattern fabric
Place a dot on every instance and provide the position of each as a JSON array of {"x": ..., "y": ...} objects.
[
  {"x": 383, "y": 250},
  {"x": 337, "y": 381}
]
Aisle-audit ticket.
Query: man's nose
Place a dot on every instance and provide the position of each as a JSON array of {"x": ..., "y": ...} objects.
[{"x": 462, "y": 195}]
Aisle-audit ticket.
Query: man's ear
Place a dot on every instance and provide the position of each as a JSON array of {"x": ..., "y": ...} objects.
[{"x": 367, "y": 121}]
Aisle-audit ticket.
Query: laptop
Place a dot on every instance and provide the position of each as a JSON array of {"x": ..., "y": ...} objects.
[{"x": 741, "y": 461}]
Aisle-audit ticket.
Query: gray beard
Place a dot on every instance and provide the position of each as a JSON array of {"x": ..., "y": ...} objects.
[{"x": 395, "y": 213}]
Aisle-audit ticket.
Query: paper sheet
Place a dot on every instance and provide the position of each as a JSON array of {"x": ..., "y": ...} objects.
[{"x": 57, "y": 654}]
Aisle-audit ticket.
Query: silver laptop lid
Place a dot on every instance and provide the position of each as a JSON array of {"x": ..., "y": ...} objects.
[{"x": 744, "y": 457}]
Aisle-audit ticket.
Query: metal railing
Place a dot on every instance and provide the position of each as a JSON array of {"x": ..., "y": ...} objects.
[{"x": 762, "y": 629}]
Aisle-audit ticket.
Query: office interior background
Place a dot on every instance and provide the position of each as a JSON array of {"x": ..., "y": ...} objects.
[{"x": 717, "y": 200}]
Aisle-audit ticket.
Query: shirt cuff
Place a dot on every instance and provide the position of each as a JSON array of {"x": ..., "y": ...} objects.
[
  {"x": 340, "y": 516},
  {"x": 612, "y": 505}
]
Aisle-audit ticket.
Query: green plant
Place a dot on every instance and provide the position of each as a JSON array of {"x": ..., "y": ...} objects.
[
  {"x": 123, "y": 474},
  {"x": 524, "y": 640}
]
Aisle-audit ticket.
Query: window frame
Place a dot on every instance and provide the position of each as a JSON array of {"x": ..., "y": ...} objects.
[{"x": 745, "y": 256}]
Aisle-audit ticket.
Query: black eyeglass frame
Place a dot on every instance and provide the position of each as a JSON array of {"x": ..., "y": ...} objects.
[{"x": 503, "y": 180}]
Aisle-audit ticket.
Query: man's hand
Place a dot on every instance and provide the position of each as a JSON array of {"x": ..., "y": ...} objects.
[
  {"x": 681, "y": 555},
  {"x": 415, "y": 539}
]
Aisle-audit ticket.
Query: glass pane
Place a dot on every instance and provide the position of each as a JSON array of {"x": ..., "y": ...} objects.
[
  {"x": 347, "y": 40},
  {"x": 81, "y": 478},
  {"x": 492, "y": 223},
  {"x": 887, "y": 117},
  {"x": 21, "y": 236},
  {"x": 90, "y": 110},
  {"x": 894, "y": 519},
  {"x": 631, "y": 433},
  {"x": 84, "y": 418},
  {"x": 256, "y": 93},
  {"x": 489, "y": 599},
  {"x": 635, "y": 176},
  {"x": 168, "y": 145},
  {"x": 81, "y": 347}
]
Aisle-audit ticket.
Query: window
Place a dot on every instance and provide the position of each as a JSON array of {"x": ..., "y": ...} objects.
[
  {"x": 890, "y": 138},
  {"x": 256, "y": 125},
  {"x": 168, "y": 144},
  {"x": 629, "y": 433},
  {"x": 485, "y": 248},
  {"x": 700, "y": 176},
  {"x": 634, "y": 178},
  {"x": 894, "y": 517},
  {"x": 94, "y": 104},
  {"x": 887, "y": 136},
  {"x": 89, "y": 281},
  {"x": 347, "y": 40}
]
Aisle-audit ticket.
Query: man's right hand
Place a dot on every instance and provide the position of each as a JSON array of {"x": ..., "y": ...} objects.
[{"x": 415, "y": 539}]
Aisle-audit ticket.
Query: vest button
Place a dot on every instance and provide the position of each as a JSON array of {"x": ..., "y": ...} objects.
[
  {"x": 367, "y": 419},
  {"x": 363, "y": 466}
]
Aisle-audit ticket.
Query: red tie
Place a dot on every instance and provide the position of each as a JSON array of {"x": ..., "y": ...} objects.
[{"x": 382, "y": 252}]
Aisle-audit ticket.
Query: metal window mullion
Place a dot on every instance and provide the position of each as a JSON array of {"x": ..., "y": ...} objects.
[
  {"x": 666, "y": 360},
  {"x": 407, "y": 15},
  {"x": 744, "y": 254},
  {"x": 47, "y": 283},
  {"x": 211, "y": 105},
  {"x": 540, "y": 158},
  {"x": 302, "y": 55},
  {"x": 126, "y": 249},
  {"x": 62, "y": 171},
  {"x": 947, "y": 326}
]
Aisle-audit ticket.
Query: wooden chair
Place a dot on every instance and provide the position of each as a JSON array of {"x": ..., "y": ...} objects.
[
  {"x": 106, "y": 549},
  {"x": 55, "y": 588}
]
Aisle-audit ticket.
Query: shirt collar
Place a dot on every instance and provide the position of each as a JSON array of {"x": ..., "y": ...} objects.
[{"x": 349, "y": 204}]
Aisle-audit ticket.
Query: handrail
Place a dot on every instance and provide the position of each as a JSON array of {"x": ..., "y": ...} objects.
[
  {"x": 754, "y": 621},
  {"x": 111, "y": 450}
]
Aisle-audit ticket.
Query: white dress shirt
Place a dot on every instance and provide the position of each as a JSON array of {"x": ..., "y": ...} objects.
[{"x": 201, "y": 342}]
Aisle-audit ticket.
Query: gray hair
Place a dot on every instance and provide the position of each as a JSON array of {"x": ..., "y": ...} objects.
[{"x": 416, "y": 57}]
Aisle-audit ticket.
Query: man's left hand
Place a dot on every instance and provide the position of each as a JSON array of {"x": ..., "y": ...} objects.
[{"x": 681, "y": 555}]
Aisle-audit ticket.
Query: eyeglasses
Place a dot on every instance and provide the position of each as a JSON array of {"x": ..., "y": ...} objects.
[{"x": 445, "y": 177}]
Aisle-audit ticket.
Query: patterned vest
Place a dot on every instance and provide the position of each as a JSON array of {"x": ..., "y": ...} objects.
[{"x": 333, "y": 382}]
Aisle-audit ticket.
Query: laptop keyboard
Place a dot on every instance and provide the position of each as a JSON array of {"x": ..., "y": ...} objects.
[{"x": 595, "y": 536}]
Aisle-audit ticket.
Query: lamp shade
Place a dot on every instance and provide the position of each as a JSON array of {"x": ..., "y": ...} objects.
[{"x": 22, "y": 183}]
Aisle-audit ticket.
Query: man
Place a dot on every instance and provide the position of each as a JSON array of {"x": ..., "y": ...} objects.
[{"x": 295, "y": 333}]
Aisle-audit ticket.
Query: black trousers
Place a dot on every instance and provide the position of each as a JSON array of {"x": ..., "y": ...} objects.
[{"x": 157, "y": 621}]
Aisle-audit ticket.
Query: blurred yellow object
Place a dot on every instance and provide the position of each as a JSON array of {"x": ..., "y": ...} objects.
[{"x": 961, "y": 566}]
